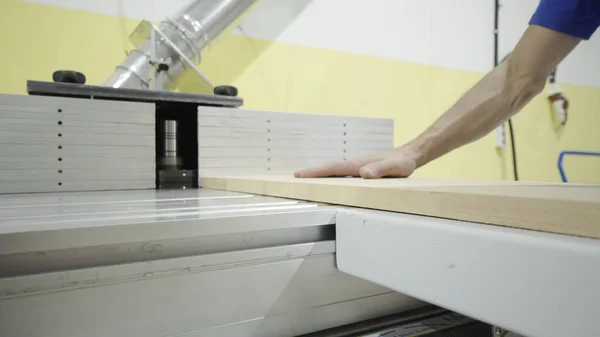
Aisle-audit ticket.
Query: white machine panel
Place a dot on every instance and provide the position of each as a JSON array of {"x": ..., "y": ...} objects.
[
  {"x": 51, "y": 144},
  {"x": 532, "y": 283},
  {"x": 237, "y": 141}
]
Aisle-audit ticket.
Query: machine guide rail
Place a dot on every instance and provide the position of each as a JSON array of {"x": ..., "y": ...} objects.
[
  {"x": 40, "y": 88},
  {"x": 106, "y": 259}
]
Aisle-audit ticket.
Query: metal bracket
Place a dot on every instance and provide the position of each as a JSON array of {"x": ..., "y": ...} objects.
[
  {"x": 160, "y": 67},
  {"x": 186, "y": 60}
]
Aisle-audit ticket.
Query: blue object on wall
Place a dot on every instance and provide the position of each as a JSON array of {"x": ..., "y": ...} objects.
[{"x": 562, "y": 155}]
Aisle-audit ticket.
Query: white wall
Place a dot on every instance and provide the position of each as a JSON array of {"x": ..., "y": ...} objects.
[
  {"x": 436, "y": 32},
  {"x": 454, "y": 34},
  {"x": 154, "y": 10}
]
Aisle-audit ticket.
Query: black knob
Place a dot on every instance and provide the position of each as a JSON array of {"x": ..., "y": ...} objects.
[
  {"x": 226, "y": 90},
  {"x": 163, "y": 67},
  {"x": 68, "y": 76}
]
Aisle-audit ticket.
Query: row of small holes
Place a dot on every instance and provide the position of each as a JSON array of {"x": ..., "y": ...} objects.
[
  {"x": 269, "y": 140},
  {"x": 60, "y": 148},
  {"x": 344, "y": 141}
]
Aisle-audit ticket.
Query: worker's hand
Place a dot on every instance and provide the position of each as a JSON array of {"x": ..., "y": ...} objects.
[{"x": 395, "y": 163}]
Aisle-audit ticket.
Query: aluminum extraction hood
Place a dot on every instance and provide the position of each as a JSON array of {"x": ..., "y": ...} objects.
[{"x": 190, "y": 31}]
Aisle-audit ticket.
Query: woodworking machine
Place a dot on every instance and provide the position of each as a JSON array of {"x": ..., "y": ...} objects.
[
  {"x": 105, "y": 229},
  {"x": 102, "y": 232},
  {"x": 100, "y": 235}
]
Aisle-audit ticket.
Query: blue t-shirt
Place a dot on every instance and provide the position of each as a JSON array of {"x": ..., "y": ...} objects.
[{"x": 579, "y": 18}]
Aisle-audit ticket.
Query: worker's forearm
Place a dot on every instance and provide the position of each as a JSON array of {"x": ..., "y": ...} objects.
[
  {"x": 499, "y": 95},
  {"x": 495, "y": 98}
]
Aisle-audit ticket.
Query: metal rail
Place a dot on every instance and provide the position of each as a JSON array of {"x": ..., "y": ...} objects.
[{"x": 149, "y": 224}]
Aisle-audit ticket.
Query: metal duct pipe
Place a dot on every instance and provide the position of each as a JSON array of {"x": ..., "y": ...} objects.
[{"x": 190, "y": 30}]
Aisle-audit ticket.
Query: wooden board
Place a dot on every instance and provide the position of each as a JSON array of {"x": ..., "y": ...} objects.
[{"x": 572, "y": 209}]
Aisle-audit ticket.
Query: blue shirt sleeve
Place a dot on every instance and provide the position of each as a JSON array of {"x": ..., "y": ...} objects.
[{"x": 579, "y": 18}]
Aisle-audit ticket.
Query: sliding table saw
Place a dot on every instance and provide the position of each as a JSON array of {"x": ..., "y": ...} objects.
[{"x": 98, "y": 237}]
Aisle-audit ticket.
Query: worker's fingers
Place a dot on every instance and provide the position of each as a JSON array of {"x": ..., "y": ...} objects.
[
  {"x": 336, "y": 169},
  {"x": 399, "y": 168}
]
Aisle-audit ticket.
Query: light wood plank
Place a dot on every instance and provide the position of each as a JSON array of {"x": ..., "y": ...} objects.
[{"x": 572, "y": 209}]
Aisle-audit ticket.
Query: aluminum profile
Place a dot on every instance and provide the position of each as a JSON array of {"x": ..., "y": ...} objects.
[
  {"x": 236, "y": 141},
  {"x": 53, "y": 144}
]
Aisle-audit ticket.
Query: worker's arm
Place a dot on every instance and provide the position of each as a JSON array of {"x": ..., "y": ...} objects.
[{"x": 499, "y": 95}]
